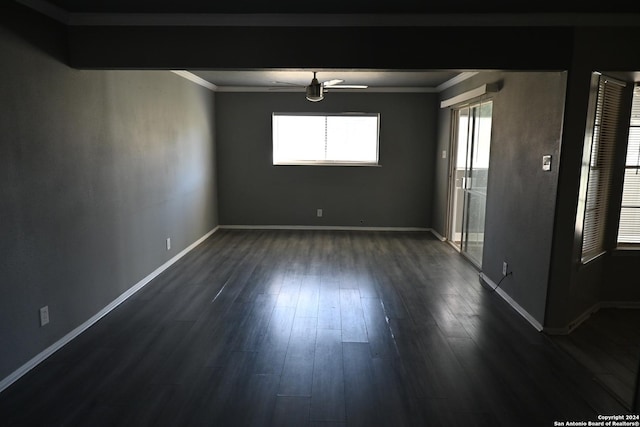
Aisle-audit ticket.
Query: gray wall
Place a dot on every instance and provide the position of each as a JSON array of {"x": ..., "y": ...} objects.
[
  {"x": 573, "y": 289},
  {"x": 441, "y": 173},
  {"x": 620, "y": 279},
  {"x": 254, "y": 192},
  {"x": 527, "y": 123},
  {"x": 97, "y": 168}
]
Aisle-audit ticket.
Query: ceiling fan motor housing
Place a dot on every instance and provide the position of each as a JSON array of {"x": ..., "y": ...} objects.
[{"x": 314, "y": 91}]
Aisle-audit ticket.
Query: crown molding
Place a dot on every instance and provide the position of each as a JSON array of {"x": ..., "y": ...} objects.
[
  {"x": 196, "y": 79},
  {"x": 370, "y": 89},
  {"x": 455, "y": 80},
  {"x": 379, "y": 89}
]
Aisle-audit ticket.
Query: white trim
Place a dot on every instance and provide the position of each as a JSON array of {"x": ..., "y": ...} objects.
[
  {"x": 389, "y": 89},
  {"x": 582, "y": 318},
  {"x": 453, "y": 245},
  {"x": 438, "y": 236},
  {"x": 322, "y": 163},
  {"x": 524, "y": 313},
  {"x": 320, "y": 227},
  {"x": 470, "y": 94},
  {"x": 589, "y": 312},
  {"x": 39, "y": 358},
  {"x": 370, "y": 89},
  {"x": 620, "y": 304},
  {"x": 455, "y": 80},
  {"x": 381, "y": 89},
  {"x": 555, "y": 331},
  {"x": 195, "y": 79}
]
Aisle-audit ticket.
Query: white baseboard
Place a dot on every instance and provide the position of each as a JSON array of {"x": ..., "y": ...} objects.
[
  {"x": 620, "y": 304},
  {"x": 582, "y": 318},
  {"x": 438, "y": 236},
  {"x": 574, "y": 324},
  {"x": 320, "y": 227},
  {"x": 505, "y": 296},
  {"x": 39, "y": 358},
  {"x": 590, "y": 311}
]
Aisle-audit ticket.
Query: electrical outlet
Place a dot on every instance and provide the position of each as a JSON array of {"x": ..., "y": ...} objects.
[
  {"x": 505, "y": 268},
  {"x": 44, "y": 315},
  {"x": 168, "y": 243},
  {"x": 319, "y": 213}
]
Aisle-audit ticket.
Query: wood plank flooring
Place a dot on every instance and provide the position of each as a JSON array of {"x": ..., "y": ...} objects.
[
  {"x": 608, "y": 345},
  {"x": 307, "y": 329}
]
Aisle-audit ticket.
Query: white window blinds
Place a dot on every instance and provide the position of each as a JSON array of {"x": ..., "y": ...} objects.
[
  {"x": 629, "y": 227},
  {"x": 325, "y": 138},
  {"x": 600, "y": 170}
]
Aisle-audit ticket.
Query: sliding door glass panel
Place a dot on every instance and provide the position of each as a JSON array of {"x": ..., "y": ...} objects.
[
  {"x": 459, "y": 176},
  {"x": 470, "y": 175},
  {"x": 474, "y": 226},
  {"x": 476, "y": 190}
]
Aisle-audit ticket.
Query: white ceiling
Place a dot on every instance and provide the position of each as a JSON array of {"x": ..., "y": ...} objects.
[{"x": 295, "y": 80}]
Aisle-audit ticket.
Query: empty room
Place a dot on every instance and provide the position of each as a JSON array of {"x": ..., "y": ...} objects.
[{"x": 262, "y": 215}]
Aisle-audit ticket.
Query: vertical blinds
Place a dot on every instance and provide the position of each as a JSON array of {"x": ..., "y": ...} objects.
[
  {"x": 602, "y": 154},
  {"x": 629, "y": 227}
]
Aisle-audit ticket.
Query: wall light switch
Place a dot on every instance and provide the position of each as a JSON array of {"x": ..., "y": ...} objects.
[
  {"x": 44, "y": 315},
  {"x": 319, "y": 213},
  {"x": 546, "y": 162},
  {"x": 444, "y": 154}
]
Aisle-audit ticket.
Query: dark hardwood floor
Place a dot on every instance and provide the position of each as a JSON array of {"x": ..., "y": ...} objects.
[
  {"x": 310, "y": 328},
  {"x": 608, "y": 345}
]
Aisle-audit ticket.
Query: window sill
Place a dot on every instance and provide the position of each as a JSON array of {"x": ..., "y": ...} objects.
[
  {"x": 626, "y": 250},
  {"x": 370, "y": 165},
  {"x": 591, "y": 258}
]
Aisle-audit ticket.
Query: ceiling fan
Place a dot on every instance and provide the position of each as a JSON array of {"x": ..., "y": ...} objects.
[{"x": 316, "y": 89}]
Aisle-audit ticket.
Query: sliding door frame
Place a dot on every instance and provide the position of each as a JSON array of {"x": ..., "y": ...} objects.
[{"x": 452, "y": 202}]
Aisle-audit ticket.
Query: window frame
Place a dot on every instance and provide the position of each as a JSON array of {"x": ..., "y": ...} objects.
[
  {"x": 325, "y": 162},
  {"x": 593, "y": 225},
  {"x": 634, "y": 108}
]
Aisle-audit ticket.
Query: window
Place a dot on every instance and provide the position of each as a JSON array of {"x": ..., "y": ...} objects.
[
  {"x": 629, "y": 226},
  {"x": 598, "y": 163},
  {"x": 325, "y": 139}
]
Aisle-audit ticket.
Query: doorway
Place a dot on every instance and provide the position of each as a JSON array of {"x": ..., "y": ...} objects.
[{"x": 469, "y": 169}]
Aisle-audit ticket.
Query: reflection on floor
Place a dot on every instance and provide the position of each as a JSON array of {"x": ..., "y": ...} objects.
[
  {"x": 306, "y": 329},
  {"x": 608, "y": 345}
]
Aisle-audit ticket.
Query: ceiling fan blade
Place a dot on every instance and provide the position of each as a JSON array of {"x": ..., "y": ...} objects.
[
  {"x": 348, "y": 87},
  {"x": 287, "y": 88},
  {"x": 287, "y": 84},
  {"x": 332, "y": 82}
]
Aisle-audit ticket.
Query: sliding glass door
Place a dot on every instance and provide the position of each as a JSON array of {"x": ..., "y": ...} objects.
[{"x": 468, "y": 178}]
